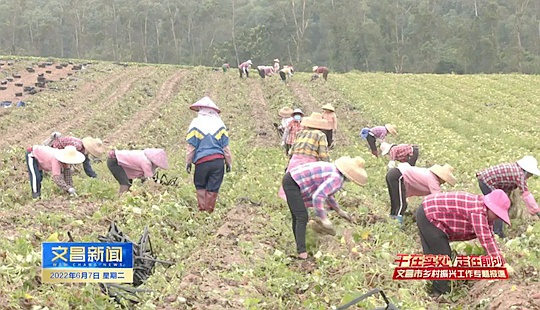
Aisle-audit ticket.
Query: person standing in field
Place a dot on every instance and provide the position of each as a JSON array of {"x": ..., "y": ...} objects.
[
  {"x": 319, "y": 70},
  {"x": 378, "y": 132},
  {"x": 276, "y": 65},
  {"x": 208, "y": 148},
  {"x": 41, "y": 158},
  {"x": 408, "y": 181},
  {"x": 405, "y": 153},
  {"x": 225, "y": 67},
  {"x": 126, "y": 165},
  {"x": 292, "y": 129},
  {"x": 244, "y": 68},
  {"x": 313, "y": 185},
  {"x": 460, "y": 216},
  {"x": 329, "y": 115},
  {"x": 508, "y": 177},
  {"x": 286, "y": 72},
  {"x": 88, "y": 146}
]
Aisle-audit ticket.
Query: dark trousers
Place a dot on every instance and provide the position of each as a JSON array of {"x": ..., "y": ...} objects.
[
  {"x": 298, "y": 211},
  {"x": 396, "y": 190},
  {"x": 435, "y": 242},
  {"x": 414, "y": 157},
  {"x": 261, "y": 73},
  {"x": 35, "y": 174},
  {"x": 209, "y": 175},
  {"x": 498, "y": 225},
  {"x": 329, "y": 136},
  {"x": 287, "y": 148},
  {"x": 242, "y": 71},
  {"x": 372, "y": 141},
  {"x": 325, "y": 75},
  {"x": 88, "y": 168},
  {"x": 283, "y": 76},
  {"x": 118, "y": 172}
]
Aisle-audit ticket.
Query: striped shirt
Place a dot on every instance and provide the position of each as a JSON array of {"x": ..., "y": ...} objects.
[
  {"x": 379, "y": 132},
  {"x": 62, "y": 142},
  {"x": 311, "y": 142},
  {"x": 318, "y": 183},
  {"x": 462, "y": 216},
  {"x": 504, "y": 176},
  {"x": 401, "y": 152}
]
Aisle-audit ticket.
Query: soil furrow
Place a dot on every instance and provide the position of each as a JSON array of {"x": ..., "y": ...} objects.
[{"x": 259, "y": 112}]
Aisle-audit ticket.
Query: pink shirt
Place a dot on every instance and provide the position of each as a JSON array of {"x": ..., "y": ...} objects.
[
  {"x": 135, "y": 164},
  {"x": 47, "y": 162},
  {"x": 419, "y": 181}
]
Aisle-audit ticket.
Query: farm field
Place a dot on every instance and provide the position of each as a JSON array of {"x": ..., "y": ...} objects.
[{"x": 239, "y": 256}]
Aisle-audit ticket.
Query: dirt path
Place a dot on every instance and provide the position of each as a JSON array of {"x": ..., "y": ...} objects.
[
  {"x": 166, "y": 92},
  {"x": 259, "y": 112}
]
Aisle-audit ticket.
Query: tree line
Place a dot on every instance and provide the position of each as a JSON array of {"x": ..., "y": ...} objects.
[{"x": 440, "y": 36}]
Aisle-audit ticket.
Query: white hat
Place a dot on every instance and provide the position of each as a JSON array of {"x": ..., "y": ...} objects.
[
  {"x": 249, "y": 62},
  {"x": 69, "y": 155},
  {"x": 315, "y": 68},
  {"x": 276, "y": 60},
  {"x": 529, "y": 164},
  {"x": 385, "y": 148},
  {"x": 205, "y": 102},
  {"x": 298, "y": 111}
]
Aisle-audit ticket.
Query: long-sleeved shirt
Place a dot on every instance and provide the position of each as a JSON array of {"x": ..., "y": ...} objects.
[
  {"x": 244, "y": 65},
  {"x": 62, "y": 175},
  {"x": 321, "y": 70},
  {"x": 285, "y": 121},
  {"x": 318, "y": 183},
  {"x": 331, "y": 118},
  {"x": 462, "y": 216},
  {"x": 419, "y": 181},
  {"x": 379, "y": 132},
  {"x": 311, "y": 142},
  {"x": 62, "y": 142},
  {"x": 287, "y": 71},
  {"x": 135, "y": 163},
  {"x": 191, "y": 152},
  {"x": 292, "y": 129},
  {"x": 400, "y": 152}
]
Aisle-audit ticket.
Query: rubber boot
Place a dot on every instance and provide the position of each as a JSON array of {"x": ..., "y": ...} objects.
[
  {"x": 123, "y": 189},
  {"x": 211, "y": 198},
  {"x": 201, "y": 199}
]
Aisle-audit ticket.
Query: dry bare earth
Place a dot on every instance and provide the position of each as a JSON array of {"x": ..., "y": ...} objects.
[{"x": 263, "y": 130}]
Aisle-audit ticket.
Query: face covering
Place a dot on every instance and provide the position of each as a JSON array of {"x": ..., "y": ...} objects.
[{"x": 297, "y": 117}]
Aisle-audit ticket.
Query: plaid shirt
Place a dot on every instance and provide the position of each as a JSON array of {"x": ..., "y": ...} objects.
[
  {"x": 62, "y": 142},
  {"x": 401, "y": 152},
  {"x": 311, "y": 142},
  {"x": 462, "y": 216},
  {"x": 293, "y": 127},
  {"x": 379, "y": 132},
  {"x": 64, "y": 181},
  {"x": 504, "y": 176},
  {"x": 318, "y": 183}
]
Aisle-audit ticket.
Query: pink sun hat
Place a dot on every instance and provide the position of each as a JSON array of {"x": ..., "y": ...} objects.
[
  {"x": 205, "y": 102},
  {"x": 158, "y": 157},
  {"x": 498, "y": 202}
]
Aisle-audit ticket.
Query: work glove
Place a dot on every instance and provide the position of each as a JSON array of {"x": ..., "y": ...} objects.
[
  {"x": 71, "y": 191},
  {"x": 188, "y": 168},
  {"x": 345, "y": 215},
  {"x": 228, "y": 168}
]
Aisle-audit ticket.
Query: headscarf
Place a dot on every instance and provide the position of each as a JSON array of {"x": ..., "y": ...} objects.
[
  {"x": 364, "y": 133},
  {"x": 207, "y": 121}
]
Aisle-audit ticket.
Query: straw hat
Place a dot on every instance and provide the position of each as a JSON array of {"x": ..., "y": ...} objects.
[
  {"x": 328, "y": 107},
  {"x": 498, "y": 202},
  {"x": 315, "y": 68},
  {"x": 316, "y": 121},
  {"x": 69, "y": 155},
  {"x": 298, "y": 111},
  {"x": 93, "y": 146},
  {"x": 445, "y": 173},
  {"x": 205, "y": 102},
  {"x": 276, "y": 60},
  {"x": 529, "y": 164},
  {"x": 385, "y": 148},
  {"x": 353, "y": 169},
  {"x": 158, "y": 157},
  {"x": 391, "y": 128},
  {"x": 285, "y": 112}
]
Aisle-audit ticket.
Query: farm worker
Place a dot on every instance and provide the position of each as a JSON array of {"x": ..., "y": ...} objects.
[
  {"x": 312, "y": 186},
  {"x": 329, "y": 115},
  {"x": 378, "y": 132},
  {"x": 225, "y": 67},
  {"x": 87, "y": 146},
  {"x": 49, "y": 141},
  {"x": 276, "y": 65},
  {"x": 292, "y": 129},
  {"x": 41, "y": 158},
  {"x": 405, "y": 153},
  {"x": 319, "y": 70},
  {"x": 310, "y": 144},
  {"x": 208, "y": 148},
  {"x": 286, "y": 117},
  {"x": 286, "y": 72},
  {"x": 408, "y": 181},
  {"x": 244, "y": 68},
  {"x": 460, "y": 216},
  {"x": 126, "y": 165},
  {"x": 265, "y": 71},
  {"x": 509, "y": 177}
]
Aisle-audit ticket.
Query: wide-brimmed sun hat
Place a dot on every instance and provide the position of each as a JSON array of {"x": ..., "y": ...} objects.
[
  {"x": 69, "y": 155},
  {"x": 445, "y": 173},
  {"x": 285, "y": 112},
  {"x": 298, "y": 111},
  {"x": 385, "y": 148},
  {"x": 249, "y": 62},
  {"x": 353, "y": 169},
  {"x": 316, "y": 121},
  {"x": 498, "y": 202},
  {"x": 529, "y": 164},
  {"x": 205, "y": 102},
  {"x": 328, "y": 107},
  {"x": 276, "y": 60},
  {"x": 93, "y": 146},
  {"x": 158, "y": 157},
  {"x": 315, "y": 68},
  {"x": 391, "y": 129}
]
